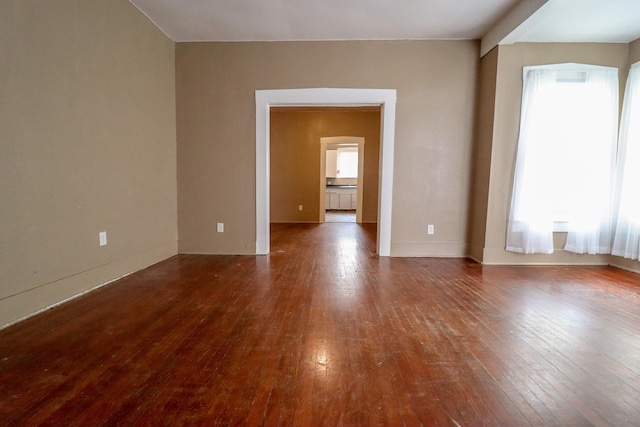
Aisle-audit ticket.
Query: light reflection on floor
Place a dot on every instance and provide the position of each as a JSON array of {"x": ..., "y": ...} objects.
[{"x": 340, "y": 216}]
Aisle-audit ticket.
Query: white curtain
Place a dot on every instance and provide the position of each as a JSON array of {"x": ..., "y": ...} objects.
[
  {"x": 530, "y": 228},
  {"x": 594, "y": 159},
  {"x": 627, "y": 237},
  {"x": 565, "y": 161}
]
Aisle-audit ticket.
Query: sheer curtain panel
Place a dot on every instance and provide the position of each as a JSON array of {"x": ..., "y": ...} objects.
[
  {"x": 530, "y": 222},
  {"x": 593, "y": 166},
  {"x": 627, "y": 237}
]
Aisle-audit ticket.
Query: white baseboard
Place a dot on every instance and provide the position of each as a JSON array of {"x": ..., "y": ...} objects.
[
  {"x": 439, "y": 250},
  {"x": 558, "y": 257}
]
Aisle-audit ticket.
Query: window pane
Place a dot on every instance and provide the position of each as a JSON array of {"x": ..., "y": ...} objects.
[{"x": 348, "y": 162}]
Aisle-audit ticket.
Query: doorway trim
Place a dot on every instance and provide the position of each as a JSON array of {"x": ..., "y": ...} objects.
[{"x": 265, "y": 99}]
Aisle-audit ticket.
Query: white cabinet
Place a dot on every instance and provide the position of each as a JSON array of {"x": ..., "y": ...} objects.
[
  {"x": 343, "y": 199},
  {"x": 332, "y": 201}
]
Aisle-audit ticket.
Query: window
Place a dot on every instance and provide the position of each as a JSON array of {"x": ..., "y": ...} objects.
[
  {"x": 565, "y": 159},
  {"x": 347, "y": 162}
]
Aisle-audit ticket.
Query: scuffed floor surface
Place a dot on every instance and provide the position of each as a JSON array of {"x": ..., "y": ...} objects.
[{"x": 324, "y": 332}]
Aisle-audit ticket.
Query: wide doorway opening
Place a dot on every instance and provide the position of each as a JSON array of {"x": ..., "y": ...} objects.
[{"x": 266, "y": 99}]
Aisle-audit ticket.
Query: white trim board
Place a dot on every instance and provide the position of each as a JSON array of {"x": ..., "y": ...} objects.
[{"x": 326, "y": 97}]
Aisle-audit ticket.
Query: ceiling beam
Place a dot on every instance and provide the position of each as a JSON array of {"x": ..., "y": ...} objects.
[{"x": 508, "y": 23}]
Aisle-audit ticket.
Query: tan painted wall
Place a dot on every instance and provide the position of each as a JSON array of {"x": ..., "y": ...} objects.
[
  {"x": 511, "y": 59},
  {"x": 216, "y": 83},
  {"x": 87, "y": 143},
  {"x": 634, "y": 52},
  {"x": 482, "y": 153},
  {"x": 625, "y": 263},
  {"x": 295, "y": 159}
]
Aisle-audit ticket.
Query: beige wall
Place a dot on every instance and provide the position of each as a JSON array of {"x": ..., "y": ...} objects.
[
  {"x": 295, "y": 159},
  {"x": 634, "y": 52},
  {"x": 625, "y": 263},
  {"x": 482, "y": 152},
  {"x": 87, "y": 143},
  {"x": 511, "y": 59},
  {"x": 216, "y": 83}
]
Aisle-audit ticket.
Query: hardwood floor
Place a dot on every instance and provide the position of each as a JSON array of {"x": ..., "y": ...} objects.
[
  {"x": 323, "y": 332},
  {"x": 340, "y": 216}
]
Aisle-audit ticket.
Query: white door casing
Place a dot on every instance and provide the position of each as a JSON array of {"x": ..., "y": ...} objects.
[{"x": 325, "y": 97}]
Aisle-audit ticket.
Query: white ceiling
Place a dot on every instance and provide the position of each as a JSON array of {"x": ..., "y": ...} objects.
[
  {"x": 282, "y": 20},
  {"x": 261, "y": 20},
  {"x": 611, "y": 21}
]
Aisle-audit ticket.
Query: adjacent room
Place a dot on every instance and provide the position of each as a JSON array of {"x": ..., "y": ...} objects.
[{"x": 320, "y": 213}]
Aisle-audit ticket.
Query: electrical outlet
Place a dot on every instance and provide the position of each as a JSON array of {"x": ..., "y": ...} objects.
[
  {"x": 102, "y": 238},
  {"x": 299, "y": 207},
  {"x": 430, "y": 229},
  {"x": 221, "y": 227}
]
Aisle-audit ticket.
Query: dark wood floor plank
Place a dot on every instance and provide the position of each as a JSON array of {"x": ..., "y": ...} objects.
[
  {"x": 543, "y": 395},
  {"x": 324, "y": 332}
]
